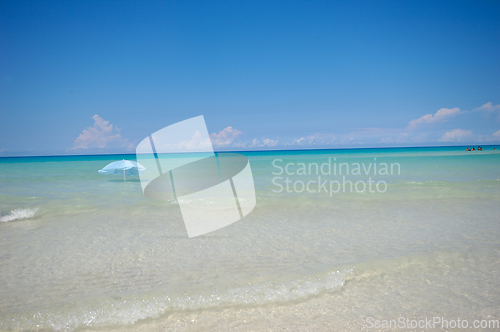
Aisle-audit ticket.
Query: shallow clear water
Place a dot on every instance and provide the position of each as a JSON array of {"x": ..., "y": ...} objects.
[{"x": 84, "y": 250}]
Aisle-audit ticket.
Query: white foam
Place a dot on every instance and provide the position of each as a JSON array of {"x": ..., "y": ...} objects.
[
  {"x": 18, "y": 214},
  {"x": 129, "y": 311}
]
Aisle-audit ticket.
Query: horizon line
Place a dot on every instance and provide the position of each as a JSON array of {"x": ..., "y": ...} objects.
[{"x": 266, "y": 150}]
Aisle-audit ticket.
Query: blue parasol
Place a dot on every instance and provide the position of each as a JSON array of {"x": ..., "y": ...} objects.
[{"x": 126, "y": 167}]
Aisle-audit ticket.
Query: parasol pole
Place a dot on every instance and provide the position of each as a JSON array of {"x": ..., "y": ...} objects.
[{"x": 124, "y": 176}]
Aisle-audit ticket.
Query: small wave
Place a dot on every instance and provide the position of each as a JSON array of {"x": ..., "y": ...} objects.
[
  {"x": 266, "y": 293},
  {"x": 18, "y": 214},
  {"x": 129, "y": 311}
]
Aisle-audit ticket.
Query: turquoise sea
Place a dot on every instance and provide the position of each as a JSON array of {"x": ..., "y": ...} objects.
[{"x": 85, "y": 251}]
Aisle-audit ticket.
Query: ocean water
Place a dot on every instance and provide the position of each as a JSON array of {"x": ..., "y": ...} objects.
[{"x": 381, "y": 233}]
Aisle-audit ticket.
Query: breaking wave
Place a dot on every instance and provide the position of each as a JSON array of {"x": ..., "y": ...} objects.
[
  {"x": 19, "y": 214},
  {"x": 129, "y": 311}
]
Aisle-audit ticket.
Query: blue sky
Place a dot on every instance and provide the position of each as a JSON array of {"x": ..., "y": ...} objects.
[{"x": 99, "y": 76}]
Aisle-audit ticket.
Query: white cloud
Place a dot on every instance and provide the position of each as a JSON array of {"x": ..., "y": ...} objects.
[
  {"x": 416, "y": 132},
  {"x": 196, "y": 143},
  {"x": 225, "y": 137},
  {"x": 488, "y": 107},
  {"x": 100, "y": 136},
  {"x": 441, "y": 115},
  {"x": 488, "y": 110},
  {"x": 315, "y": 139},
  {"x": 308, "y": 140},
  {"x": 456, "y": 135},
  {"x": 265, "y": 142}
]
